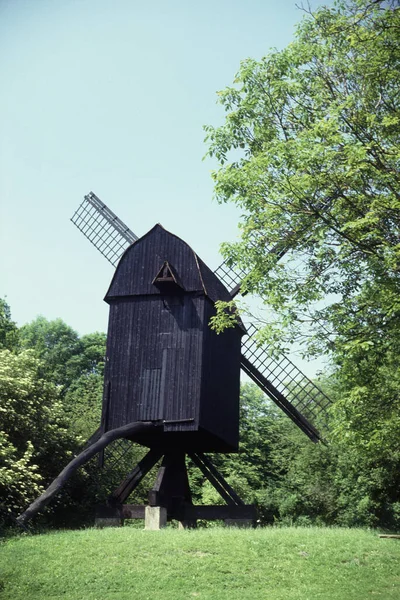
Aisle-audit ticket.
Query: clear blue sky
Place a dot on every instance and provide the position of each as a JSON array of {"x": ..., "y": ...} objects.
[{"x": 111, "y": 97}]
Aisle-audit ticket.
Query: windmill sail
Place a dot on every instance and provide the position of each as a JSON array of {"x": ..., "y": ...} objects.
[
  {"x": 232, "y": 276},
  {"x": 303, "y": 401},
  {"x": 280, "y": 379},
  {"x": 103, "y": 228}
]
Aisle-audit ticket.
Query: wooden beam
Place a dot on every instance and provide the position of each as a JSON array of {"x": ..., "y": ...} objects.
[
  {"x": 135, "y": 477},
  {"x": 219, "y": 477},
  {"x": 215, "y": 512},
  {"x": 133, "y": 511},
  {"x": 120, "y": 511},
  {"x": 121, "y": 432},
  {"x": 186, "y": 512},
  {"x": 215, "y": 478},
  {"x": 171, "y": 487}
]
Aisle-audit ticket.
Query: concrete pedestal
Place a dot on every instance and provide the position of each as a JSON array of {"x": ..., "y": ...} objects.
[{"x": 155, "y": 517}]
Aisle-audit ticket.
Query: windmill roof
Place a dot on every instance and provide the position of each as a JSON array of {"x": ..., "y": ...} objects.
[{"x": 143, "y": 259}]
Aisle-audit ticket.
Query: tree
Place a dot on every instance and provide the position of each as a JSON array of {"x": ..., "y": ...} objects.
[
  {"x": 8, "y": 328},
  {"x": 82, "y": 404},
  {"x": 65, "y": 356},
  {"x": 310, "y": 151},
  {"x": 34, "y": 440},
  {"x": 50, "y": 403},
  {"x": 54, "y": 342}
]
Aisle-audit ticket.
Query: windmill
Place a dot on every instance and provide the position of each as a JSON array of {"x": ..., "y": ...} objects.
[
  {"x": 304, "y": 404},
  {"x": 168, "y": 391}
]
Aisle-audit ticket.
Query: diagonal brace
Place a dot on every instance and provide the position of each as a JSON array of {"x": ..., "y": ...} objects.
[
  {"x": 131, "y": 482},
  {"x": 216, "y": 479}
]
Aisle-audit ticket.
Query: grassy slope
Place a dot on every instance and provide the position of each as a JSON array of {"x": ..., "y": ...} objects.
[{"x": 213, "y": 564}]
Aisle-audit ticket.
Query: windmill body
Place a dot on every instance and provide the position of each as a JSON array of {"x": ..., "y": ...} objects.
[{"x": 163, "y": 362}]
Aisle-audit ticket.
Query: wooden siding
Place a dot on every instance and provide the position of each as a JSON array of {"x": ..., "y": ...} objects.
[
  {"x": 220, "y": 381},
  {"x": 163, "y": 362},
  {"x": 153, "y": 361}
]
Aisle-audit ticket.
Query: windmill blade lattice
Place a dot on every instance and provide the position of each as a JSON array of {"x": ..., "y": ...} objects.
[
  {"x": 232, "y": 277},
  {"x": 285, "y": 381},
  {"x": 103, "y": 228}
]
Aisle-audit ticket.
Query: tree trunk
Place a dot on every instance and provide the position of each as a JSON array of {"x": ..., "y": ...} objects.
[{"x": 82, "y": 458}]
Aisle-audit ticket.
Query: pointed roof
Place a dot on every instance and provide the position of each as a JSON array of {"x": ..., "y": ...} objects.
[{"x": 142, "y": 261}]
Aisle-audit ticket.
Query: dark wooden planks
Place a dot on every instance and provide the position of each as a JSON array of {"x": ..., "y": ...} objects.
[{"x": 163, "y": 362}]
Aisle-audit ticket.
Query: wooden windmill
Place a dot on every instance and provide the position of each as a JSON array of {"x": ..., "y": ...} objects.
[{"x": 171, "y": 376}]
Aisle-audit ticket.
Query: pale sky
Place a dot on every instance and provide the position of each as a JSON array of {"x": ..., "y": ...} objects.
[{"x": 111, "y": 97}]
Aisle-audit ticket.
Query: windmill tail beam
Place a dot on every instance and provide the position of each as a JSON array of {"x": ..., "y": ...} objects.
[
  {"x": 280, "y": 400},
  {"x": 40, "y": 503}
]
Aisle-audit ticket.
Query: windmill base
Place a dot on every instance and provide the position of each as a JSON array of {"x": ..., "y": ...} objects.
[{"x": 170, "y": 498}]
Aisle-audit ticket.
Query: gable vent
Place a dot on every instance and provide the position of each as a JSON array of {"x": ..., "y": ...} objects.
[{"x": 167, "y": 279}]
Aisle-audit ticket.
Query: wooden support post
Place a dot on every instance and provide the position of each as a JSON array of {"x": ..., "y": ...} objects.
[
  {"x": 172, "y": 485},
  {"x": 214, "y": 471},
  {"x": 171, "y": 488}
]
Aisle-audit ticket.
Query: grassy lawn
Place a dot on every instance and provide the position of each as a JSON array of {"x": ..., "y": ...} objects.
[{"x": 208, "y": 564}]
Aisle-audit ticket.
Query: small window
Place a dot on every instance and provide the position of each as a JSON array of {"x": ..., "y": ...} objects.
[
  {"x": 167, "y": 280},
  {"x": 165, "y": 274}
]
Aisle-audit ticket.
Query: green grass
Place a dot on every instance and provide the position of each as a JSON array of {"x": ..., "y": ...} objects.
[{"x": 208, "y": 564}]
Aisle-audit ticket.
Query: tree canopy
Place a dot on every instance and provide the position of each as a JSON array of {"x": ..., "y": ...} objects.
[
  {"x": 34, "y": 436},
  {"x": 310, "y": 151},
  {"x": 65, "y": 356}
]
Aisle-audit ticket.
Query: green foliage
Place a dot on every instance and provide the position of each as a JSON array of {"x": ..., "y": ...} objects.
[
  {"x": 65, "y": 356},
  {"x": 82, "y": 404},
  {"x": 34, "y": 440},
  {"x": 293, "y": 481},
  {"x": 50, "y": 403},
  {"x": 262, "y": 438},
  {"x": 310, "y": 151},
  {"x": 8, "y": 328}
]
